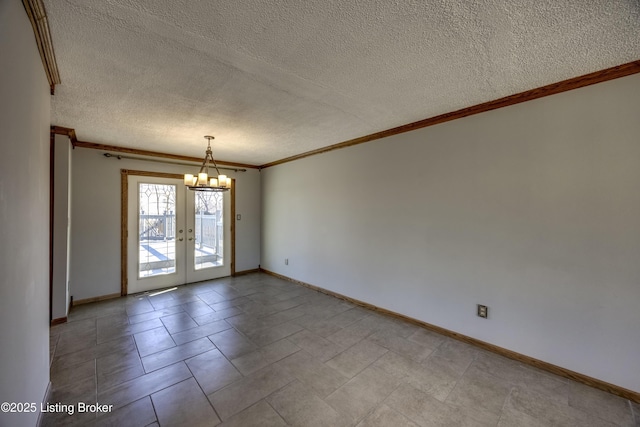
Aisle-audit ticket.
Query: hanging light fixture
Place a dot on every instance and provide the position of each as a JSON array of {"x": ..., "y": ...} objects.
[{"x": 202, "y": 181}]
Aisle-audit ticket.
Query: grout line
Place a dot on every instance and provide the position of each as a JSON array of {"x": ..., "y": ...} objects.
[
  {"x": 206, "y": 396},
  {"x": 153, "y": 405},
  {"x": 270, "y": 405}
]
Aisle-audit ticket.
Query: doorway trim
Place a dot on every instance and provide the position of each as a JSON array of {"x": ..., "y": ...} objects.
[{"x": 124, "y": 221}]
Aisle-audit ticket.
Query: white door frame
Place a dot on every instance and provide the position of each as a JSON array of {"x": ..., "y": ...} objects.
[{"x": 229, "y": 236}]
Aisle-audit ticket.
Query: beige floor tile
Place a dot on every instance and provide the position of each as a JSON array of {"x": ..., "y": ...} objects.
[
  {"x": 200, "y": 331},
  {"x": 314, "y": 356},
  {"x": 212, "y": 297},
  {"x": 139, "y": 413},
  {"x": 259, "y": 415},
  {"x": 480, "y": 391},
  {"x": 323, "y": 379},
  {"x": 178, "y": 322},
  {"x": 264, "y": 356},
  {"x": 352, "y": 334},
  {"x": 317, "y": 324},
  {"x": 144, "y": 385},
  {"x": 356, "y": 358},
  {"x": 402, "y": 346},
  {"x": 110, "y": 331},
  {"x": 384, "y": 416},
  {"x": 361, "y": 394},
  {"x": 427, "y": 338},
  {"x": 600, "y": 404},
  {"x": 137, "y": 318},
  {"x": 249, "y": 390},
  {"x": 153, "y": 341},
  {"x": 172, "y": 301},
  {"x": 232, "y": 343},
  {"x": 175, "y": 354},
  {"x": 272, "y": 334},
  {"x": 74, "y": 374},
  {"x": 197, "y": 308},
  {"x": 635, "y": 408},
  {"x": 392, "y": 325},
  {"x": 120, "y": 345},
  {"x": 287, "y": 304},
  {"x": 512, "y": 418},
  {"x": 117, "y": 368},
  {"x": 72, "y": 341},
  {"x": 300, "y": 406},
  {"x": 139, "y": 306},
  {"x": 528, "y": 377},
  {"x": 435, "y": 378},
  {"x": 236, "y": 302},
  {"x": 548, "y": 411},
  {"x": 455, "y": 354},
  {"x": 76, "y": 326},
  {"x": 64, "y": 419},
  {"x": 82, "y": 390},
  {"x": 398, "y": 366},
  {"x": 350, "y": 316},
  {"x": 217, "y": 315},
  {"x": 184, "y": 404},
  {"x": 436, "y": 381},
  {"x": 427, "y": 411},
  {"x": 314, "y": 344},
  {"x": 213, "y": 371},
  {"x": 100, "y": 309}
]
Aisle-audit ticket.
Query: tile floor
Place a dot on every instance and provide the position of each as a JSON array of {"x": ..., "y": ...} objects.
[{"x": 257, "y": 350}]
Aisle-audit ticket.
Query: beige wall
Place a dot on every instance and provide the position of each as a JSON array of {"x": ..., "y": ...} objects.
[
  {"x": 61, "y": 226},
  {"x": 95, "y": 209},
  {"x": 533, "y": 210},
  {"x": 24, "y": 216}
]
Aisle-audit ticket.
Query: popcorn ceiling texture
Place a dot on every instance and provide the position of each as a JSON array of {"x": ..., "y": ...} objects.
[{"x": 271, "y": 79}]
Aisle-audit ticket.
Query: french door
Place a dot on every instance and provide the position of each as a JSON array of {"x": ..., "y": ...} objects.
[{"x": 175, "y": 235}]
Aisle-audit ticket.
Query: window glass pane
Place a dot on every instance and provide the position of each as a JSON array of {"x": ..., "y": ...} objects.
[
  {"x": 156, "y": 229},
  {"x": 209, "y": 229}
]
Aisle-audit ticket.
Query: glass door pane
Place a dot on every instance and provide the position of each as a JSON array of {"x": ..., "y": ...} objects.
[
  {"x": 156, "y": 229},
  {"x": 209, "y": 230}
]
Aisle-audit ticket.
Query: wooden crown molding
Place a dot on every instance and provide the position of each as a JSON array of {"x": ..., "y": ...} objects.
[
  {"x": 529, "y": 95},
  {"x": 71, "y": 133},
  {"x": 549, "y": 367},
  {"x": 38, "y": 18}
]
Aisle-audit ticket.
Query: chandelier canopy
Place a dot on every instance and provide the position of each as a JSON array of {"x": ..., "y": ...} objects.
[{"x": 201, "y": 181}]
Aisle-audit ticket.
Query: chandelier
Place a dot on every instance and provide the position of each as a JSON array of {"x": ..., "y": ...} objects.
[{"x": 201, "y": 181}]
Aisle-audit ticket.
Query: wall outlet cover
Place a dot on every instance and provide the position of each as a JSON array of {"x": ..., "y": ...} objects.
[{"x": 483, "y": 311}]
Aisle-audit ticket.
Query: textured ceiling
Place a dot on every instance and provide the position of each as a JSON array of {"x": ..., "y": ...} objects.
[{"x": 275, "y": 78}]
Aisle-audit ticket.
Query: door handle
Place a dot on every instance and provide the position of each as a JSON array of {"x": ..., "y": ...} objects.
[
  {"x": 181, "y": 239},
  {"x": 190, "y": 230},
  {"x": 190, "y": 238}
]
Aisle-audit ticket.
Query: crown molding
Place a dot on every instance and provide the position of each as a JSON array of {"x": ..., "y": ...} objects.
[
  {"x": 38, "y": 18},
  {"x": 71, "y": 133},
  {"x": 529, "y": 95},
  {"x": 601, "y": 76}
]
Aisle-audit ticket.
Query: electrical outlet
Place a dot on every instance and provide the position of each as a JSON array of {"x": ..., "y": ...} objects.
[
  {"x": 483, "y": 311},
  {"x": 286, "y": 261}
]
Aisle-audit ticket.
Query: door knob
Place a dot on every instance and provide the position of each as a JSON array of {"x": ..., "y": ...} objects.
[
  {"x": 180, "y": 231},
  {"x": 181, "y": 239},
  {"x": 190, "y": 230},
  {"x": 190, "y": 238}
]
